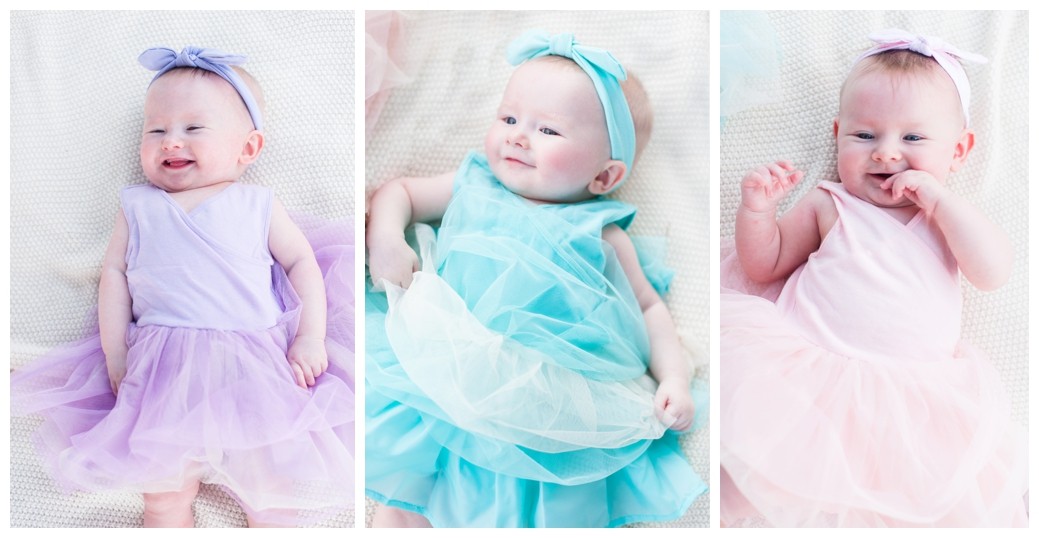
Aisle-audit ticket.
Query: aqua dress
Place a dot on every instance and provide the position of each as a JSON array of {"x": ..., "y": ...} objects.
[{"x": 507, "y": 386}]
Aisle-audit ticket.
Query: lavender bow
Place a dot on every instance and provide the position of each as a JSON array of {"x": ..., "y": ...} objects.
[{"x": 162, "y": 60}]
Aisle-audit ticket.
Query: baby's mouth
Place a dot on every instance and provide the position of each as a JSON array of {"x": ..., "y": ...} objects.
[
  {"x": 517, "y": 163},
  {"x": 177, "y": 164},
  {"x": 880, "y": 177}
]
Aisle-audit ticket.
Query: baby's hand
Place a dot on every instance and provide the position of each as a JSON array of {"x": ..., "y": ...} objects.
[
  {"x": 918, "y": 187},
  {"x": 672, "y": 398},
  {"x": 394, "y": 261},
  {"x": 765, "y": 186},
  {"x": 116, "y": 371},
  {"x": 308, "y": 359}
]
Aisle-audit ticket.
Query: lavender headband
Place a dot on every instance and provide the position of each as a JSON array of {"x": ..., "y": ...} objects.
[{"x": 163, "y": 59}]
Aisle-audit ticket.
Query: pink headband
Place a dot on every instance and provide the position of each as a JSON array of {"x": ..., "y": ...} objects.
[{"x": 946, "y": 55}]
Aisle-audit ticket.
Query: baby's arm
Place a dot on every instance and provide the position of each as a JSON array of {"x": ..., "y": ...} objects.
[
  {"x": 667, "y": 363},
  {"x": 290, "y": 248},
  {"x": 394, "y": 206},
  {"x": 770, "y": 248},
  {"x": 114, "y": 305},
  {"x": 983, "y": 250}
]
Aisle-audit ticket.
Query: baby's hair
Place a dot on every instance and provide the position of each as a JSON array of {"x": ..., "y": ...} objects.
[
  {"x": 250, "y": 81},
  {"x": 634, "y": 93},
  {"x": 641, "y": 111},
  {"x": 903, "y": 63}
]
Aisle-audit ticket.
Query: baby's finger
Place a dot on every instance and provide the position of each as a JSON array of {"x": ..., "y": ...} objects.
[
  {"x": 785, "y": 164},
  {"x": 776, "y": 171},
  {"x": 297, "y": 372},
  {"x": 682, "y": 423},
  {"x": 308, "y": 373}
]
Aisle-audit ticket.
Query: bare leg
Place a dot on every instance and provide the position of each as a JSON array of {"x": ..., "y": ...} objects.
[
  {"x": 253, "y": 524},
  {"x": 170, "y": 508},
  {"x": 389, "y": 517}
]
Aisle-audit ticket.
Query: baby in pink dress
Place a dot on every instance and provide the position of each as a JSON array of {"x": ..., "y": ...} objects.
[{"x": 847, "y": 398}]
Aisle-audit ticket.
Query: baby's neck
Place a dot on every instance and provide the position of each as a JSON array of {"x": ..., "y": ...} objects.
[
  {"x": 192, "y": 198},
  {"x": 901, "y": 214}
]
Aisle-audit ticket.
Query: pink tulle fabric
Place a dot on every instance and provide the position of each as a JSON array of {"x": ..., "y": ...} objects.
[
  {"x": 847, "y": 398},
  {"x": 383, "y": 64}
]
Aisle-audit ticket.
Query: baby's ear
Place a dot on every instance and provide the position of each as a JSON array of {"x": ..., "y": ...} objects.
[
  {"x": 252, "y": 147},
  {"x": 962, "y": 149},
  {"x": 609, "y": 178}
]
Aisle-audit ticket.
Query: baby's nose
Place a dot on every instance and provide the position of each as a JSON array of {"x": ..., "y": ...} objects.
[
  {"x": 887, "y": 152},
  {"x": 170, "y": 141},
  {"x": 517, "y": 137}
]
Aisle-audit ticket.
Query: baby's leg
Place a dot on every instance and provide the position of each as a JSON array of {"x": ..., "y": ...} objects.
[
  {"x": 389, "y": 517},
  {"x": 253, "y": 524},
  {"x": 170, "y": 508}
]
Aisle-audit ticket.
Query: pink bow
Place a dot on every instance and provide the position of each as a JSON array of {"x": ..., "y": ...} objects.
[{"x": 947, "y": 56}]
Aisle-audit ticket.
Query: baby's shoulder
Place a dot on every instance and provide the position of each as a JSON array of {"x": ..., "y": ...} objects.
[
  {"x": 137, "y": 194},
  {"x": 818, "y": 205}
]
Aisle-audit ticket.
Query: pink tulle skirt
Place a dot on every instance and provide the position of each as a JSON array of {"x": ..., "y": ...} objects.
[{"x": 813, "y": 438}]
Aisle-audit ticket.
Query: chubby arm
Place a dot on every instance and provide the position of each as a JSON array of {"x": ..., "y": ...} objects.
[
  {"x": 114, "y": 305},
  {"x": 290, "y": 248},
  {"x": 394, "y": 206},
  {"x": 982, "y": 249},
  {"x": 667, "y": 364},
  {"x": 769, "y": 248}
]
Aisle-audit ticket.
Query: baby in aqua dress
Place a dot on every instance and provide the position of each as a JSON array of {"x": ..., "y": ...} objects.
[
  {"x": 847, "y": 397},
  {"x": 218, "y": 357},
  {"x": 507, "y": 383}
]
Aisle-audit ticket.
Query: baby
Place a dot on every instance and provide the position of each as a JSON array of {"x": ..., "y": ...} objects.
[
  {"x": 848, "y": 402},
  {"x": 211, "y": 362},
  {"x": 528, "y": 249}
]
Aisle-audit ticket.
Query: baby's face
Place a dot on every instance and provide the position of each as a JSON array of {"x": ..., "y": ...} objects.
[
  {"x": 891, "y": 123},
  {"x": 549, "y": 140},
  {"x": 195, "y": 132}
]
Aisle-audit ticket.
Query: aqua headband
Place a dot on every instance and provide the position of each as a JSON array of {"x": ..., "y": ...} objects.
[
  {"x": 947, "y": 56},
  {"x": 163, "y": 59},
  {"x": 606, "y": 73}
]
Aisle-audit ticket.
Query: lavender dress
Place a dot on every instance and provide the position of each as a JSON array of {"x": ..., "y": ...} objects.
[{"x": 208, "y": 392}]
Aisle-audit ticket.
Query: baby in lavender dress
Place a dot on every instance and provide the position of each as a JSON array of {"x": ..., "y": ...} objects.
[{"x": 225, "y": 347}]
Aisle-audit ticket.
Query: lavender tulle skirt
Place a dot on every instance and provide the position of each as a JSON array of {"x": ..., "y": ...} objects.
[{"x": 211, "y": 405}]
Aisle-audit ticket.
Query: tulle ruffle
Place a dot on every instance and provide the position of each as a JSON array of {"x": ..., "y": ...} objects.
[
  {"x": 219, "y": 406},
  {"x": 455, "y": 410},
  {"x": 814, "y": 438}
]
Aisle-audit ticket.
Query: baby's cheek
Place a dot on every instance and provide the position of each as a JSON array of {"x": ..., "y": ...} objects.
[{"x": 575, "y": 162}]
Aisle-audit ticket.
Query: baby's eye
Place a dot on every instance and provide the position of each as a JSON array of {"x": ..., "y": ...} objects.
[
  {"x": 509, "y": 120},
  {"x": 194, "y": 127},
  {"x": 912, "y": 138},
  {"x": 548, "y": 131},
  {"x": 864, "y": 136},
  {"x": 155, "y": 131}
]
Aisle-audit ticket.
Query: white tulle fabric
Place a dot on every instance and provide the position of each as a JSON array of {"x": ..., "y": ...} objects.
[{"x": 476, "y": 375}]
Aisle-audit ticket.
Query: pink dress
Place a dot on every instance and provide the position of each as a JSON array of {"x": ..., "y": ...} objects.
[{"x": 850, "y": 401}]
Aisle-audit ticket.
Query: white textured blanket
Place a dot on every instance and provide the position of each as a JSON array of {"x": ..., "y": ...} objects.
[
  {"x": 815, "y": 50},
  {"x": 76, "y": 98},
  {"x": 456, "y": 61}
]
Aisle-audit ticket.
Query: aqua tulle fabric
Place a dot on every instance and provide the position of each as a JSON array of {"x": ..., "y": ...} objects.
[
  {"x": 507, "y": 386},
  {"x": 750, "y": 62}
]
